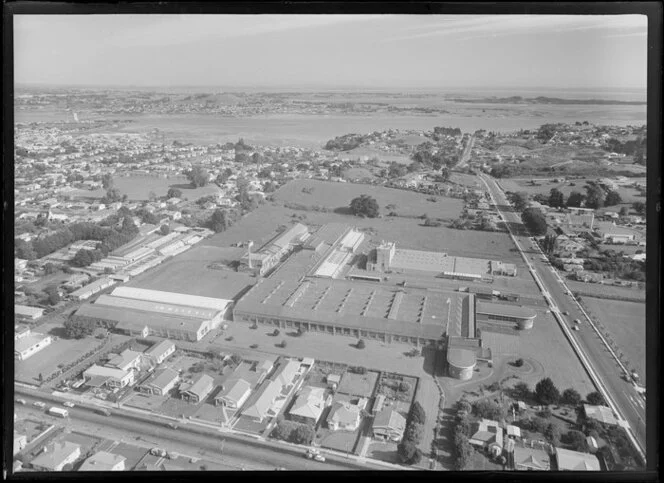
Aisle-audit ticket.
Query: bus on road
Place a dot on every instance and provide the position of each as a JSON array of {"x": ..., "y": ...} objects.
[{"x": 59, "y": 412}]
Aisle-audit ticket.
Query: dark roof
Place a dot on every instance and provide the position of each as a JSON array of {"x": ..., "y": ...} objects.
[
  {"x": 505, "y": 310},
  {"x": 137, "y": 318}
]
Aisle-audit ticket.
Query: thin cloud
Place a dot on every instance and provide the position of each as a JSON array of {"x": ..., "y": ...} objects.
[{"x": 503, "y": 25}]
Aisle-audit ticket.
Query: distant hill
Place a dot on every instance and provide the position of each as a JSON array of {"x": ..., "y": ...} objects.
[
  {"x": 546, "y": 100},
  {"x": 219, "y": 99}
]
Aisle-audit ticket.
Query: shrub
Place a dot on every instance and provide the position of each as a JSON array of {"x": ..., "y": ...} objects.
[
  {"x": 417, "y": 414},
  {"x": 576, "y": 439},
  {"x": 518, "y": 362},
  {"x": 404, "y": 386},
  {"x": 489, "y": 410},
  {"x": 521, "y": 390},
  {"x": 276, "y": 332},
  {"x": 282, "y": 344},
  {"x": 409, "y": 453},
  {"x": 414, "y": 432},
  {"x": 360, "y": 344}
]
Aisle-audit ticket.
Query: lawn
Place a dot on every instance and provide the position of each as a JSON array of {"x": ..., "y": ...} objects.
[
  {"x": 546, "y": 344},
  {"x": 383, "y": 451},
  {"x": 138, "y": 188},
  {"x": 590, "y": 289},
  {"x": 358, "y": 384},
  {"x": 337, "y": 440},
  {"x": 190, "y": 273},
  {"x": 248, "y": 425},
  {"x": 626, "y": 322},
  {"x": 339, "y": 195},
  {"x": 29, "y": 428},
  {"x": 389, "y": 385},
  {"x": 145, "y": 401}
]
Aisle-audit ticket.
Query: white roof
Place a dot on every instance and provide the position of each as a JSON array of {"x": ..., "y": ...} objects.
[
  {"x": 28, "y": 311},
  {"x": 575, "y": 461},
  {"x": 171, "y": 298},
  {"x": 95, "y": 370}
]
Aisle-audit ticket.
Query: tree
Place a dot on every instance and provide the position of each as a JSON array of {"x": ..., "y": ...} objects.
[
  {"x": 623, "y": 211},
  {"x": 552, "y": 434},
  {"x": 24, "y": 250},
  {"x": 594, "y": 196},
  {"x": 50, "y": 268},
  {"x": 364, "y": 205},
  {"x": 174, "y": 193},
  {"x": 518, "y": 362},
  {"x": 107, "y": 181},
  {"x": 360, "y": 344},
  {"x": 520, "y": 200},
  {"x": 612, "y": 198},
  {"x": 595, "y": 398},
  {"x": 408, "y": 453},
  {"x": 556, "y": 198},
  {"x": 546, "y": 391},
  {"x": 535, "y": 221},
  {"x": 576, "y": 439},
  {"x": 219, "y": 221},
  {"x": 414, "y": 432},
  {"x": 396, "y": 170},
  {"x": 303, "y": 434},
  {"x": 488, "y": 409},
  {"x": 639, "y": 207},
  {"x": 198, "y": 176},
  {"x": 165, "y": 229},
  {"x": 571, "y": 397},
  {"x": 283, "y": 344},
  {"x": 282, "y": 429},
  {"x": 417, "y": 414},
  {"x": 53, "y": 296},
  {"x": 445, "y": 173},
  {"x": 575, "y": 199},
  {"x": 113, "y": 195}
]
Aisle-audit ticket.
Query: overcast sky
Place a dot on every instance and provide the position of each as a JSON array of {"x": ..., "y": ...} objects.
[{"x": 332, "y": 50}]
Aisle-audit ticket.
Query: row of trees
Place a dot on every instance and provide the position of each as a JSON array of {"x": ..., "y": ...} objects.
[
  {"x": 407, "y": 449},
  {"x": 547, "y": 393},
  {"x": 462, "y": 449}
]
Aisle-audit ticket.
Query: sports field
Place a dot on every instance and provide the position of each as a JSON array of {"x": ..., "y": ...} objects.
[
  {"x": 339, "y": 195},
  {"x": 626, "y": 322}
]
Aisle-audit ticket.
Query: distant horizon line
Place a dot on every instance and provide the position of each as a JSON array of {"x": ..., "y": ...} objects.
[{"x": 329, "y": 87}]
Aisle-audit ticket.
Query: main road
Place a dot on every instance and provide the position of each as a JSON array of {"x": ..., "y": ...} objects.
[
  {"x": 228, "y": 450},
  {"x": 624, "y": 397}
]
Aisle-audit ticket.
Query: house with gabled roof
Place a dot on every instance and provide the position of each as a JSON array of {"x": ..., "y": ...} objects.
[
  {"x": 233, "y": 393},
  {"x": 531, "y": 459},
  {"x": 575, "y": 461},
  {"x": 158, "y": 353},
  {"x": 602, "y": 414},
  {"x": 344, "y": 416},
  {"x": 260, "y": 407},
  {"x": 126, "y": 360},
  {"x": 389, "y": 425},
  {"x": 161, "y": 382},
  {"x": 308, "y": 405},
  {"x": 198, "y": 390},
  {"x": 56, "y": 455}
]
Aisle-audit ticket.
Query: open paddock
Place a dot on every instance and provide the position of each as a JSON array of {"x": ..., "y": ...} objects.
[
  {"x": 358, "y": 384},
  {"x": 626, "y": 322},
  {"x": 603, "y": 291},
  {"x": 339, "y": 195},
  {"x": 337, "y": 440},
  {"x": 138, "y": 188}
]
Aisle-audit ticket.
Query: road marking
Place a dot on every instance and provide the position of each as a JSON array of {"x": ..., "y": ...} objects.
[{"x": 631, "y": 401}]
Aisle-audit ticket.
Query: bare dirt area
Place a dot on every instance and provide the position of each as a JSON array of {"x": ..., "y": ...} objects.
[{"x": 626, "y": 322}]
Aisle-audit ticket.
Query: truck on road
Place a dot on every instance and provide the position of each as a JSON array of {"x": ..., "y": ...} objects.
[{"x": 59, "y": 412}]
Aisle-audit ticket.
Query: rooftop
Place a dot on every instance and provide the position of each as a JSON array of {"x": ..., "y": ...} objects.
[
  {"x": 172, "y": 298},
  {"x": 463, "y": 358},
  {"x": 28, "y": 341},
  {"x": 102, "y": 461},
  {"x": 149, "y": 306},
  {"x": 504, "y": 310}
]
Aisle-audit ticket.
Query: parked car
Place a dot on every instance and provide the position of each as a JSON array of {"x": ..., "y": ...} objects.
[
  {"x": 158, "y": 452},
  {"x": 68, "y": 404},
  {"x": 21, "y": 401},
  {"x": 577, "y": 321},
  {"x": 565, "y": 312},
  {"x": 39, "y": 404},
  {"x": 319, "y": 458},
  {"x": 576, "y": 327},
  {"x": 172, "y": 425}
]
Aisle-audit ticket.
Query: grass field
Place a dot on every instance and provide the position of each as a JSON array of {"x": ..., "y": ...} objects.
[
  {"x": 339, "y": 195},
  {"x": 546, "y": 344},
  {"x": 605, "y": 290},
  {"x": 188, "y": 273},
  {"x": 138, "y": 188},
  {"x": 626, "y": 322}
]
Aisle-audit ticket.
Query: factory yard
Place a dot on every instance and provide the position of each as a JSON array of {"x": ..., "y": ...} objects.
[{"x": 626, "y": 323}]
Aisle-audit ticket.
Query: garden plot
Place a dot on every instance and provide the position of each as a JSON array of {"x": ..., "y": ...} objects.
[{"x": 361, "y": 385}]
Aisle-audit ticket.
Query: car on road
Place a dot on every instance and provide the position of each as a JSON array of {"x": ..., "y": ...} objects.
[
  {"x": 159, "y": 452},
  {"x": 68, "y": 404},
  {"x": 319, "y": 458},
  {"x": 566, "y": 313},
  {"x": 576, "y": 327},
  {"x": 577, "y": 321},
  {"x": 39, "y": 404},
  {"x": 172, "y": 425},
  {"x": 21, "y": 401},
  {"x": 312, "y": 453}
]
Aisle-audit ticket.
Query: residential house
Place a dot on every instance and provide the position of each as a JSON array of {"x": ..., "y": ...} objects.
[
  {"x": 161, "y": 382},
  {"x": 158, "y": 353},
  {"x": 308, "y": 405},
  {"x": 344, "y": 416},
  {"x": 389, "y": 425},
  {"x": 233, "y": 393},
  {"x": 55, "y": 456},
  {"x": 531, "y": 459},
  {"x": 489, "y": 435},
  {"x": 97, "y": 376},
  {"x": 198, "y": 390},
  {"x": 127, "y": 360},
  {"x": 259, "y": 409},
  {"x": 286, "y": 373},
  {"x": 104, "y": 461},
  {"x": 333, "y": 380},
  {"x": 25, "y": 312},
  {"x": 602, "y": 414},
  {"x": 575, "y": 461},
  {"x": 513, "y": 432}
]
